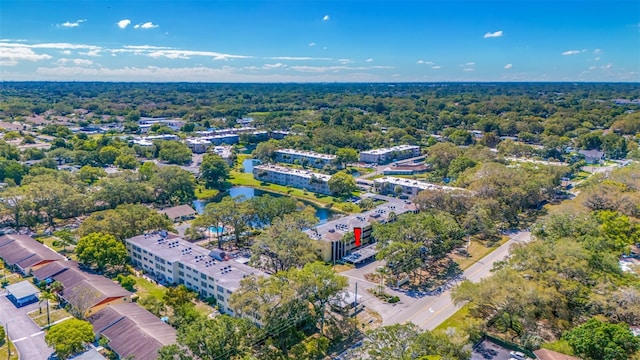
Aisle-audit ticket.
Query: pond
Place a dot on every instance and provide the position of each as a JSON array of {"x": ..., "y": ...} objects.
[
  {"x": 248, "y": 164},
  {"x": 323, "y": 214}
]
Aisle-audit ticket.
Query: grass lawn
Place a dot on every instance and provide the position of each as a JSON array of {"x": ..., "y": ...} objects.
[
  {"x": 146, "y": 287},
  {"x": 4, "y": 353},
  {"x": 477, "y": 250},
  {"x": 205, "y": 194},
  {"x": 456, "y": 320},
  {"x": 40, "y": 318},
  {"x": 242, "y": 179},
  {"x": 561, "y": 346}
]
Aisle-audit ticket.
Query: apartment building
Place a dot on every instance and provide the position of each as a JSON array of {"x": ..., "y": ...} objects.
[
  {"x": 309, "y": 158},
  {"x": 386, "y": 155},
  {"x": 301, "y": 179},
  {"x": 171, "y": 259},
  {"x": 330, "y": 234},
  {"x": 408, "y": 187}
]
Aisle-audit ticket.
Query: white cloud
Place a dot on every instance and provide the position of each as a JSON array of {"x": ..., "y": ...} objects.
[
  {"x": 592, "y": 67},
  {"x": 64, "y": 61},
  {"x": 325, "y": 18},
  {"x": 297, "y": 58},
  {"x": 66, "y": 52},
  {"x": 420, "y": 62},
  {"x": 147, "y": 25},
  {"x": 493, "y": 34},
  {"x": 345, "y": 61},
  {"x": 187, "y": 54},
  {"x": 137, "y": 26},
  {"x": 369, "y": 60},
  {"x": 274, "y": 66},
  {"x": 95, "y": 52},
  {"x": 425, "y": 62},
  {"x": 69, "y": 24},
  {"x": 597, "y": 51},
  {"x": 57, "y": 46},
  {"x": 10, "y": 56},
  {"x": 508, "y": 66},
  {"x": 123, "y": 23},
  {"x": 597, "y": 59},
  {"x": 145, "y": 47},
  {"x": 470, "y": 64},
  {"x": 608, "y": 66},
  {"x": 312, "y": 44},
  {"x": 467, "y": 69},
  {"x": 571, "y": 52},
  {"x": 436, "y": 67}
]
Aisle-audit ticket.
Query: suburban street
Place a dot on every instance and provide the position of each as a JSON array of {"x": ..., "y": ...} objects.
[
  {"x": 25, "y": 334},
  {"x": 426, "y": 310}
]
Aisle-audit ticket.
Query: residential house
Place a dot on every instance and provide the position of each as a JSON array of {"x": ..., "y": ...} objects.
[{"x": 24, "y": 254}]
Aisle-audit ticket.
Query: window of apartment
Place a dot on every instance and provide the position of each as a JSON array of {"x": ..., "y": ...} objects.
[
  {"x": 181, "y": 273},
  {"x": 220, "y": 289},
  {"x": 203, "y": 276},
  {"x": 220, "y": 298},
  {"x": 203, "y": 283},
  {"x": 188, "y": 284},
  {"x": 188, "y": 276},
  {"x": 228, "y": 291}
]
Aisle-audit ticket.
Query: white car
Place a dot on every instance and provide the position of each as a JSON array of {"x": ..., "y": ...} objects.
[{"x": 517, "y": 355}]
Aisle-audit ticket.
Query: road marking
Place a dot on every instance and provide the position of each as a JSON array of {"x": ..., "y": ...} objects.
[
  {"x": 38, "y": 333},
  {"x": 430, "y": 310},
  {"x": 22, "y": 338}
]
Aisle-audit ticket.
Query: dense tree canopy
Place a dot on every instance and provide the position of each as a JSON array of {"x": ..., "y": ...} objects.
[{"x": 69, "y": 337}]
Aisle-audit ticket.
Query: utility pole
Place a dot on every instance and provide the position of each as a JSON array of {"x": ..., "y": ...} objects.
[
  {"x": 6, "y": 328},
  {"x": 355, "y": 301}
]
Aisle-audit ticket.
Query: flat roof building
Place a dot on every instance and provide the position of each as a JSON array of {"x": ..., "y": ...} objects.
[
  {"x": 170, "y": 258},
  {"x": 301, "y": 179},
  {"x": 331, "y": 233},
  {"x": 408, "y": 187},
  {"x": 386, "y": 155},
  {"x": 308, "y": 158}
]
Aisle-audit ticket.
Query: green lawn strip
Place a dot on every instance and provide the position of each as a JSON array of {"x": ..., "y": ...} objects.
[
  {"x": 456, "y": 320},
  {"x": 561, "y": 346},
  {"x": 145, "y": 287},
  {"x": 40, "y": 317},
  {"x": 478, "y": 250},
  {"x": 4, "y": 353},
  {"x": 205, "y": 194}
]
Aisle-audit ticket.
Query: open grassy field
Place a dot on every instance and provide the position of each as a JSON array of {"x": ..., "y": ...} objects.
[{"x": 456, "y": 320}]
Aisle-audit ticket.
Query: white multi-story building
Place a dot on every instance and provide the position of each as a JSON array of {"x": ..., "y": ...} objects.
[
  {"x": 408, "y": 187},
  {"x": 198, "y": 146},
  {"x": 301, "y": 179},
  {"x": 224, "y": 152},
  {"x": 308, "y": 158},
  {"x": 385, "y": 155},
  {"x": 169, "y": 258}
]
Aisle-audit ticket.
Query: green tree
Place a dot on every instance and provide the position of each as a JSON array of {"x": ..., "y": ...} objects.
[
  {"x": 127, "y": 282},
  {"x": 215, "y": 171},
  {"x": 102, "y": 252},
  {"x": 265, "y": 151},
  {"x": 173, "y": 185},
  {"x": 126, "y": 161},
  {"x": 174, "y": 152},
  {"x": 342, "y": 184},
  {"x": 108, "y": 155},
  {"x": 347, "y": 155},
  {"x": 90, "y": 174},
  {"x": 178, "y": 296},
  {"x": 281, "y": 247},
  {"x": 598, "y": 340},
  {"x": 124, "y": 221},
  {"x": 69, "y": 337}
]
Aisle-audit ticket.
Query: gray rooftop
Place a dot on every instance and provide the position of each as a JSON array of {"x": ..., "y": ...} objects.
[
  {"x": 22, "y": 289},
  {"x": 227, "y": 273}
]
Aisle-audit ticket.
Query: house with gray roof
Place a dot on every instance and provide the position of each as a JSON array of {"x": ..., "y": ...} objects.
[{"x": 24, "y": 254}]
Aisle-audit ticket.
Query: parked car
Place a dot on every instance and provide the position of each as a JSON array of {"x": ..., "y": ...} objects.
[{"x": 517, "y": 355}]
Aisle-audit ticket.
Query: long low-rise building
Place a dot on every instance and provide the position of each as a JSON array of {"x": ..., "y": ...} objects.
[
  {"x": 408, "y": 187},
  {"x": 331, "y": 233},
  {"x": 301, "y": 179},
  {"x": 308, "y": 158},
  {"x": 386, "y": 155},
  {"x": 24, "y": 254},
  {"x": 171, "y": 259}
]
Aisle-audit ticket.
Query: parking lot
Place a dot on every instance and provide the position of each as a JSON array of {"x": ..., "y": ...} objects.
[
  {"x": 25, "y": 334},
  {"x": 488, "y": 350}
]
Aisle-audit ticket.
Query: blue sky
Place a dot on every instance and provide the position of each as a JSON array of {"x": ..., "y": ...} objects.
[{"x": 320, "y": 41}]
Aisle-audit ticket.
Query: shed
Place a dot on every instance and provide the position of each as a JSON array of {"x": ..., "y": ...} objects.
[
  {"x": 179, "y": 213},
  {"x": 22, "y": 293}
]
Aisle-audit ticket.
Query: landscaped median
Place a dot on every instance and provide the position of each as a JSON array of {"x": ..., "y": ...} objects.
[{"x": 55, "y": 315}]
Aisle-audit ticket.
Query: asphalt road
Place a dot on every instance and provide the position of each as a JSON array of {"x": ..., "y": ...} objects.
[
  {"x": 432, "y": 310},
  {"x": 25, "y": 334}
]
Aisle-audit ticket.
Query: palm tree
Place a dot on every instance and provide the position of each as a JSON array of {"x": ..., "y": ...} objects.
[{"x": 47, "y": 295}]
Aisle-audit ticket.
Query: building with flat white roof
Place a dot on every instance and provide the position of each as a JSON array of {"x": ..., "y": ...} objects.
[
  {"x": 170, "y": 258},
  {"x": 224, "y": 152},
  {"x": 301, "y": 179},
  {"x": 198, "y": 146},
  {"x": 331, "y": 233},
  {"x": 386, "y": 155},
  {"x": 408, "y": 187},
  {"x": 308, "y": 158}
]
